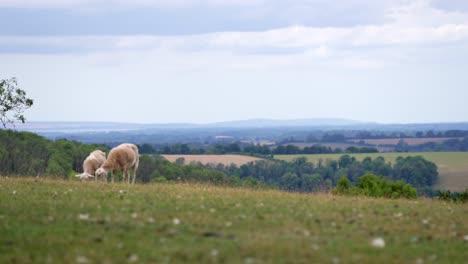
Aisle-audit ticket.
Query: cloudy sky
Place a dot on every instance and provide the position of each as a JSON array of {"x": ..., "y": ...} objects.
[{"x": 166, "y": 61}]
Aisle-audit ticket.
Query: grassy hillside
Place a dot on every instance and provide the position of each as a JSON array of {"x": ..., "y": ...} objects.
[
  {"x": 71, "y": 222},
  {"x": 453, "y": 166}
]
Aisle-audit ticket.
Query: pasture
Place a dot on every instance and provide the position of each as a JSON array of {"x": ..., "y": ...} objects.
[
  {"x": 51, "y": 221},
  {"x": 452, "y": 166},
  {"x": 226, "y": 160}
]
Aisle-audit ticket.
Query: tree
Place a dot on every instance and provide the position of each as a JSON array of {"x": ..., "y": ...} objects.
[{"x": 13, "y": 102}]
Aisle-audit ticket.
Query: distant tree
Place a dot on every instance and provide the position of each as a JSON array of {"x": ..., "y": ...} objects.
[
  {"x": 345, "y": 161},
  {"x": 343, "y": 185},
  {"x": 13, "y": 102}
]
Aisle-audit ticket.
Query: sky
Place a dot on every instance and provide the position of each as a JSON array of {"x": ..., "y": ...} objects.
[{"x": 202, "y": 61}]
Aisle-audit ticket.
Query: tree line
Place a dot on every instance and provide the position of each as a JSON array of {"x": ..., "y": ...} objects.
[
  {"x": 27, "y": 154},
  {"x": 449, "y": 145},
  {"x": 305, "y": 176},
  {"x": 249, "y": 149}
]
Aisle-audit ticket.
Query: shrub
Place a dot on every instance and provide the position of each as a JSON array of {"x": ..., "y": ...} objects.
[
  {"x": 343, "y": 186},
  {"x": 375, "y": 186}
]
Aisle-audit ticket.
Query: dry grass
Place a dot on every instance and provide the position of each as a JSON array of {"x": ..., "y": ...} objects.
[{"x": 227, "y": 160}]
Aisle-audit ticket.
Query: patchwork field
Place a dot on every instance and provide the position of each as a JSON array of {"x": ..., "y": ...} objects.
[
  {"x": 409, "y": 141},
  {"x": 213, "y": 159},
  {"x": 46, "y": 221},
  {"x": 453, "y": 166}
]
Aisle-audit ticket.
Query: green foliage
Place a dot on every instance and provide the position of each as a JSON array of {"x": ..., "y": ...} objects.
[
  {"x": 27, "y": 154},
  {"x": 415, "y": 170},
  {"x": 448, "y": 196},
  {"x": 13, "y": 102},
  {"x": 343, "y": 186},
  {"x": 376, "y": 186}
]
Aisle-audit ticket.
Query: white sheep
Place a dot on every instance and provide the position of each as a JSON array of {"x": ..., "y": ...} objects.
[
  {"x": 121, "y": 158},
  {"x": 91, "y": 164}
]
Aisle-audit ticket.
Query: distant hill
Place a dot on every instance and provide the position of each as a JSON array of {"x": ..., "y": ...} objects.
[
  {"x": 77, "y": 127},
  {"x": 309, "y": 122},
  {"x": 252, "y": 130}
]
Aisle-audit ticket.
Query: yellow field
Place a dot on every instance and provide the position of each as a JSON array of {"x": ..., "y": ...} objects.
[
  {"x": 227, "y": 160},
  {"x": 453, "y": 166}
]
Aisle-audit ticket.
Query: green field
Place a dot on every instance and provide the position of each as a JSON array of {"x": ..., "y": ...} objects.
[
  {"x": 47, "y": 221},
  {"x": 453, "y": 166}
]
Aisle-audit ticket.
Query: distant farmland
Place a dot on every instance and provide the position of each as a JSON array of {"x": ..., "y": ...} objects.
[
  {"x": 227, "y": 160},
  {"x": 453, "y": 166},
  {"x": 409, "y": 141},
  {"x": 335, "y": 145}
]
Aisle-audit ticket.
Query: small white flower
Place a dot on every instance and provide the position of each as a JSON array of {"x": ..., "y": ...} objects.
[
  {"x": 133, "y": 258},
  {"x": 399, "y": 214},
  {"x": 82, "y": 259},
  {"x": 214, "y": 252},
  {"x": 14, "y": 192},
  {"x": 212, "y": 210},
  {"x": 121, "y": 191},
  {"x": 425, "y": 221},
  {"x": 83, "y": 216},
  {"x": 228, "y": 224},
  {"x": 176, "y": 221},
  {"x": 134, "y": 215},
  {"x": 150, "y": 220},
  {"x": 378, "y": 242},
  {"x": 249, "y": 260},
  {"x": 465, "y": 238}
]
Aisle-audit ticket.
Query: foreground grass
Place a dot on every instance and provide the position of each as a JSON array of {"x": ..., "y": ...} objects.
[
  {"x": 45, "y": 221},
  {"x": 452, "y": 166}
]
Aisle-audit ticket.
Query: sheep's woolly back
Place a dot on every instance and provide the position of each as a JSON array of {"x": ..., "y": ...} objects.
[
  {"x": 94, "y": 161},
  {"x": 121, "y": 157}
]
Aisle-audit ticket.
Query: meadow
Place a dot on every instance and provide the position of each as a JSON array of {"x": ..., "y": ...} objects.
[
  {"x": 53, "y": 221},
  {"x": 452, "y": 166}
]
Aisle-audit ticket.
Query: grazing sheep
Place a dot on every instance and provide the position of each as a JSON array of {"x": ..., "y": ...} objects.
[
  {"x": 91, "y": 164},
  {"x": 121, "y": 158}
]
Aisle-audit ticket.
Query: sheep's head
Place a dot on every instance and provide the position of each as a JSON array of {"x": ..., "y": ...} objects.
[{"x": 101, "y": 171}]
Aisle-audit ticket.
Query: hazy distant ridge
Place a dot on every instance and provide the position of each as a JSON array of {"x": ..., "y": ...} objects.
[{"x": 312, "y": 123}]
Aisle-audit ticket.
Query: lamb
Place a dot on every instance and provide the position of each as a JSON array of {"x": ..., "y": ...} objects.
[
  {"x": 121, "y": 158},
  {"x": 91, "y": 164}
]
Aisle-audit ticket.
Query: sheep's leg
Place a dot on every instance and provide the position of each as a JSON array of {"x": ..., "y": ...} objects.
[
  {"x": 134, "y": 173},
  {"x": 112, "y": 176},
  {"x": 135, "y": 167},
  {"x": 127, "y": 176}
]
